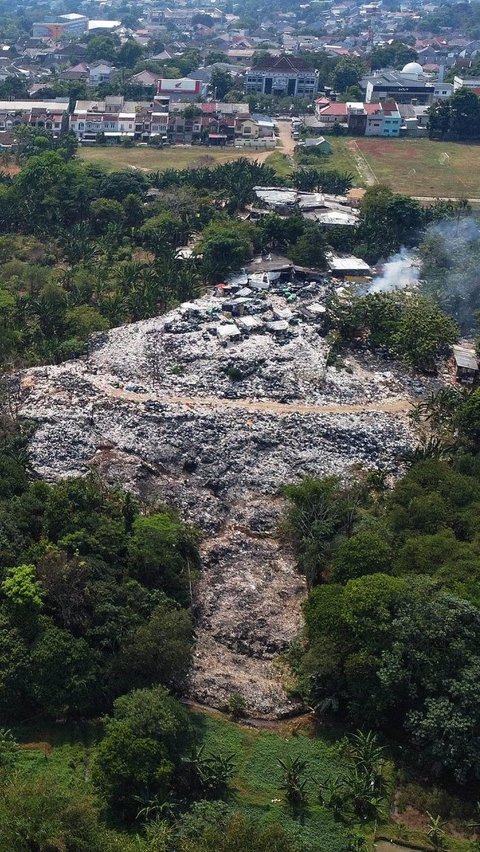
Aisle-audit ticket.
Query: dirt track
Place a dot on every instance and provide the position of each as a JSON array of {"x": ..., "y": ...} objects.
[{"x": 259, "y": 406}]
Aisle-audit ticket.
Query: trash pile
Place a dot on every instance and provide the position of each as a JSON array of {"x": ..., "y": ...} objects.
[{"x": 212, "y": 408}]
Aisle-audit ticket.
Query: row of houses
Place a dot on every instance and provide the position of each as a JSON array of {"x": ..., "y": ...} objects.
[
  {"x": 361, "y": 119},
  {"x": 209, "y": 123},
  {"x": 115, "y": 119}
]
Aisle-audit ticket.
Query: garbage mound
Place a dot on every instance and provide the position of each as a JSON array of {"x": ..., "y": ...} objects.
[{"x": 212, "y": 408}]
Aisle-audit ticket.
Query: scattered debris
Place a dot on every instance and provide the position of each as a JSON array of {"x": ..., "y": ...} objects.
[{"x": 214, "y": 416}]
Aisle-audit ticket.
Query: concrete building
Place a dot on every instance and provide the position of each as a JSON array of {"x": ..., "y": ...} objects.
[
  {"x": 407, "y": 86},
  {"x": 183, "y": 89},
  {"x": 465, "y": 83},
  {"x": 364, "y": 119},
  {"x": 280, "y": 76},
  {"x": 48, "y": 115},
  {"x": 65, "y": 26},
  {"x": 116, "y": 119}
]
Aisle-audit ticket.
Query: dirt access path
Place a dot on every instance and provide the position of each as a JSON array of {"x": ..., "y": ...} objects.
[
  {"x": 285, "y": 137},
  {"x": 254, "y": 406},
  {"x": 366, "y": 173}
]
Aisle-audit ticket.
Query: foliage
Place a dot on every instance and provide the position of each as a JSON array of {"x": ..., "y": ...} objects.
[
  {"x": 208, "y": 774},
  {"x": 224, "y": 246},
  {"x": 395, "y": 646},
  {"x": 38, "y": 813},
  {"x": 450, "y": 254},
  {"x": 388, "y": 221},
  {"x": 138, "y": 757},
  {"x": 456, "y": 117},
  {"x": 294, "y": 782},
  {"x": 407, "y": 325},
  {"x": 396, "y": 54},
  {"x": 9, "y": 754},
  {"x": 238, "y": 831},
  {"x": 94, "y": 602}
]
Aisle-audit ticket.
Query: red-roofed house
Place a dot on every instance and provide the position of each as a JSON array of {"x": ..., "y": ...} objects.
[
  {"x": 363, "y": 119},
  {"x": 335, "y": 111}
]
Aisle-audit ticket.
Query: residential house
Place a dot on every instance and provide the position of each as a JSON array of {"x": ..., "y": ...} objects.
[
  {"x": 49, "y": 115},
  {"x": 113, "y": 117},
  {"x": 146, "y": 78},
  {"x": 363, "y": 119},
  {"x": 319, "y": 143},
  {"x": 334, "y": 113},
  {"x": 240, "y": 56},
  {"x": 92, "y": 74},
  {"x": 265, "y": 124},
  {"x": 465, "y": 83},
  {"x": 100, "y": 72}
]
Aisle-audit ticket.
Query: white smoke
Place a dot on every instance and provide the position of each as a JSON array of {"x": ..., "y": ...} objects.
[{"x": 400, "y": 272}]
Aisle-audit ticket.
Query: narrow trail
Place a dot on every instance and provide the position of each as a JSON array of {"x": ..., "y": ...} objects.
[
  {"x": 285, "y": 725},
  {"x": 254, "y": 406},
  {"x": 366, "y": 172}
]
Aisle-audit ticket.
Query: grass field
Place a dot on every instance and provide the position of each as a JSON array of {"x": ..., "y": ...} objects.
[
  {"x": 160, "y": 159},
  {"x": 64, "y": 754},
  {"x": 418, "y": 167}
]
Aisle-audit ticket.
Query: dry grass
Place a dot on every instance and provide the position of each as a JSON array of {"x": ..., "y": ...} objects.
[
  {"x": 160, "y": 159},
  {"x": 420, "y": 167}
]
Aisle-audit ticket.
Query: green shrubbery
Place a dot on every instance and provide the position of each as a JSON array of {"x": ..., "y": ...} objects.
[{"x": 392, "y": 642}]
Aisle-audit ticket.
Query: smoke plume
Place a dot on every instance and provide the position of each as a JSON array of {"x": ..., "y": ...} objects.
[
  {"x": 402, "y": 270},
  {"x": 446, "y": 266}
]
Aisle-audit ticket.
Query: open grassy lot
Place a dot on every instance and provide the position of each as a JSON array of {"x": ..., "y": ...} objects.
[
  {"x": 258, "y": 776},
  {"x": 159, "y": 159},
  {"x": 418, "y": 167},
  {"x": 64, "y": 753}
]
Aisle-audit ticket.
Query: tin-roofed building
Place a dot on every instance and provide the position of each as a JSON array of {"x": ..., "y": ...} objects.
[{"x": 466, "y": 364}]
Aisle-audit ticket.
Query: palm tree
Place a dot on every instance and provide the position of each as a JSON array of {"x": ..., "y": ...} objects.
[
  {"x": 294, "y": 782},
  {"x": 367, "y": 799},
  {"x": 209, "y": 774},
  {"x": 436, "y": 833},
  {"x": 365, "y": 752},
  {"x": 333, "y": 796},
  {"x": 154, "y": 809}
]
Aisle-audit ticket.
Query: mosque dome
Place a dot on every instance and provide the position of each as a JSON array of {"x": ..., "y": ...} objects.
[{"x": 413, "y": 68}]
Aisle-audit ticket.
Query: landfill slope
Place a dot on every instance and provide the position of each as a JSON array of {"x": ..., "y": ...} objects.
[{"x": 174, "y": 411}]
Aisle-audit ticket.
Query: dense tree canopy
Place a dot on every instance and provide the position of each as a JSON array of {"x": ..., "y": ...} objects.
[
  {"x": 404, "y": 324},
  {"x": 393, "y": 624},
  {"x": 93, "y": 597}
]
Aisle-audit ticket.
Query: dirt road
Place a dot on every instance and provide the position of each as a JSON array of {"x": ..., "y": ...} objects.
[
  {"x": 253, "y": 406},
  {"x": 366, "y": 173},
  {"x": 285, "y": 136}
]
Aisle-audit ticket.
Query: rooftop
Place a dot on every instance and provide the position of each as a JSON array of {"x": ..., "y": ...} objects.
[
  {"x": 465, "y": 358},
  {"x": 288, "y": 64}
]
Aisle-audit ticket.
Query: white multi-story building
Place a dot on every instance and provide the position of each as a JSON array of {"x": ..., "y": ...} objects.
[
  {"x": 280, "y": 76},
  {"x": 116, "y": 118}
]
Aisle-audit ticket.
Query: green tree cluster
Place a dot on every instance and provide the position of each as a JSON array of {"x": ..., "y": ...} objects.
[
  {"x": 393, "y": 622},
  {"x": 457, "y": 117},
  {"x": 404, "y": 324},
  {"x": 93, "y": 597}
]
